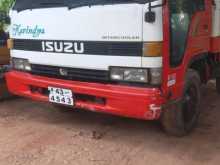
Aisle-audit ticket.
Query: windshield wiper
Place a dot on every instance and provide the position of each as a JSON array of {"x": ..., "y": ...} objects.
[
  {"x": 52, "y": 3},
  {"x": 41, "y": 4}
]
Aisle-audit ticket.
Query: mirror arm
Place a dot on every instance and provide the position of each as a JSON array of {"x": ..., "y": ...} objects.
[
  {"x": 150, "y": 7},
  {"x": 160, "y": 5}
]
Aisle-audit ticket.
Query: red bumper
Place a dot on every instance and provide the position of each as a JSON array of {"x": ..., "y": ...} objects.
[{"x": 141, "y": 103}]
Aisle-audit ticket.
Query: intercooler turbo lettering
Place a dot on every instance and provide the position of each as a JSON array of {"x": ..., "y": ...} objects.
[{"x": 63, "y": 47}]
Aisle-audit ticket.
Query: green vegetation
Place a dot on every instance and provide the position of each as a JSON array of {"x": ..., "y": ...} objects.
[{"x": 4, "y": 8}]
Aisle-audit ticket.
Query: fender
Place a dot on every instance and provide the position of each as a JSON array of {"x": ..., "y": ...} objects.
[{"x": 200, "y": 64}]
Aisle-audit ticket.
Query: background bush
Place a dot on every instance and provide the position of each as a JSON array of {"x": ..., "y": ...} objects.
[{"x": 4, "y": 8}]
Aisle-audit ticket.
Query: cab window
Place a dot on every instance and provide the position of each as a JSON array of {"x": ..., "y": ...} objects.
[{"x": 181, "y": 13}]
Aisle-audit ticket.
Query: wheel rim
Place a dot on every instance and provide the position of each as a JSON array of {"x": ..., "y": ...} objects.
[{"x": 190, "y": 109}]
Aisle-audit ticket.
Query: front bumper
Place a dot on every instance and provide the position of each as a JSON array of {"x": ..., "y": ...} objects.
[{"x": 134, "y": 102}]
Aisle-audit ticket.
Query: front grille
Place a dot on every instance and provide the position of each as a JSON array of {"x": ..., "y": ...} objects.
[
  {"x": 87, "y": 75},
  {"x": 101, "y": 48}
]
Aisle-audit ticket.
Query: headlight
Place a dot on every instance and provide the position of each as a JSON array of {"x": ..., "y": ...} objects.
[
  {"x": 21, "y": 64},
  {"x": 129, "y": 74},
  {"x": 156, "y": 76}
]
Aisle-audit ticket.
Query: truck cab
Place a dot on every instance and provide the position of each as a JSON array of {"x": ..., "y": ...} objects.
[{"x": 143, "y": 59}]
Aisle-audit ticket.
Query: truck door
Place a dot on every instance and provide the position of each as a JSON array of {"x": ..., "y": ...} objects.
[{"x": 189, "y": 33}]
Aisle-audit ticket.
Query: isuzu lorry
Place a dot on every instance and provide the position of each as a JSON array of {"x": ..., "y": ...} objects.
[{"x": 143, "y": 59}]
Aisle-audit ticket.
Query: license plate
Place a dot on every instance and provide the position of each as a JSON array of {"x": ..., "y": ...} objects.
[{"x": 60, "y": 96}]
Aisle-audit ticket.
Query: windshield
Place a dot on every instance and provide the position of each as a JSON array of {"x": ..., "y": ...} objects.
[{"x": 33, "y": 4}]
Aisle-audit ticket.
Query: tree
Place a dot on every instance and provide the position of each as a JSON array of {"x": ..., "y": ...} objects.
[{"x": 4, "y": 9}]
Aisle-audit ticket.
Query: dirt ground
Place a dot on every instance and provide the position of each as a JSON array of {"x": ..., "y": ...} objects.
[{"x": 33, "y": 133}]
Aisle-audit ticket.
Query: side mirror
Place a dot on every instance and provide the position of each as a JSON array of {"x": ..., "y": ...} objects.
[
  {"x": 150, "y": 17},
  {"x": 4, "y": 18}
]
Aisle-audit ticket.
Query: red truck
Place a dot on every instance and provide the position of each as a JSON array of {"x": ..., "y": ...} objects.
[{"x": 143, "y": 59}]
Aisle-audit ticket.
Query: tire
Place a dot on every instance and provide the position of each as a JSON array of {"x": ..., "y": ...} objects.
[
  {"x": 181, "y": 117},
  {"x": 218, "y": 84}
]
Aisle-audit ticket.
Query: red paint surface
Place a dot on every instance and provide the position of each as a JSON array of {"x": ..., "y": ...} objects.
[
  {"x": 215, "y": 45},
  {"x": 199, "y": 42},
  {"x": 120, "y": 100}
]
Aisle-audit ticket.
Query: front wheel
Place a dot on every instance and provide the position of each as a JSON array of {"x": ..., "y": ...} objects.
[{"x": 180, "y": 118}]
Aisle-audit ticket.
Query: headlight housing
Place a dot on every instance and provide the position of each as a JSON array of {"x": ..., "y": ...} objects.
[
  {"x": 152, "y": 76},
  {"x": 21, "y": 64},
  {"x": 138, "y": 75}
]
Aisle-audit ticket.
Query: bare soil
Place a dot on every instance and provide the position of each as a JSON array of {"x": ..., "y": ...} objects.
[{"x": 33, "y": 133}]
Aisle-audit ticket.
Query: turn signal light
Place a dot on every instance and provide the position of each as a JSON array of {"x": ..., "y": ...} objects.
[
  {"x": 152, "y": 49},
  {"x": 10, "y": 43}
]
